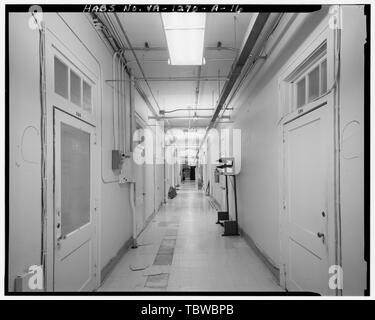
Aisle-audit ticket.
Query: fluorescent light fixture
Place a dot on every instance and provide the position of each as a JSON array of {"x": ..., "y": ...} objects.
[{"x": 185, "y": 37}]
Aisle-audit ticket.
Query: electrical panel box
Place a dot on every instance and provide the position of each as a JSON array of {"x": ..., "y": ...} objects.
[
  {"x": 117, "y": 158},
  {"x": 127, "y": 172}
]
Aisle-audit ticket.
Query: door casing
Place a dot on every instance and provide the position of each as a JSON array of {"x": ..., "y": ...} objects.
[
  {"x": 81, "y": 58},
  {"x": 322, "y": 33},
  {"x": 85, "y": 235},
  {"x": 326, "y": 251}
]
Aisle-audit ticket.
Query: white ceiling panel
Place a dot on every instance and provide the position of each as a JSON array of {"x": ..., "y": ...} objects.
[{"x": 227, "y": 28}]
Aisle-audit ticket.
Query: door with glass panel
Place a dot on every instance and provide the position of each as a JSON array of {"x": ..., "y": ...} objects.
[
  {"x": 140, "y": 186},
  {"x": 74, "y": 231}
]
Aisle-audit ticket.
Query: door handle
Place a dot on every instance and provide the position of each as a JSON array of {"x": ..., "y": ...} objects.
[
  {"x": 321, "y": 235},
  {"x": 58, "y": 241}
]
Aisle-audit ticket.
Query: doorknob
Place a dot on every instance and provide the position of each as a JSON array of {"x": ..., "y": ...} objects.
[{"x": 321, "y": 235}]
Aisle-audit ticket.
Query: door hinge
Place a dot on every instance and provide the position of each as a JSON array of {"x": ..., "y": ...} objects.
[
  {"x": 284, "y": 204},
  {"x": 95, "y": 138}
]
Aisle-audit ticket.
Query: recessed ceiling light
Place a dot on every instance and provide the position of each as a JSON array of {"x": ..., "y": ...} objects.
[{"x": 185, "y": 37}]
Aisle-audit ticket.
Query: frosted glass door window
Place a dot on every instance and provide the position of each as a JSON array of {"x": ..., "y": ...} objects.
[
  {"x": 75, "y": 88},
  {"x": 323, "y": 75},
  {"x": 314, "y": 84},
  {"x": 301, "y": 93},
  {"x": 86, "y": 96},
  {"x": 75, "y": 178},
  {"x": 61, "y": 78}
]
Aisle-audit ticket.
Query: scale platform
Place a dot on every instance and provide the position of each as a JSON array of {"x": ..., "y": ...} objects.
[{"x": 230, "y": 228}]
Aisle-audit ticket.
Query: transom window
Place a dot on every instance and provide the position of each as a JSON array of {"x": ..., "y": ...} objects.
[
  {"x": 71, "y": 86},
  {"x": 310, "y": 79}
]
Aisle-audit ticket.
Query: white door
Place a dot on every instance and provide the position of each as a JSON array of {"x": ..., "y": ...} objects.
[
  {"x": 140, "y": 195},
  {"x": 140, "y": 190},
  {"x": 75, "y": 223},
  {"x": 309, "y": 160}
]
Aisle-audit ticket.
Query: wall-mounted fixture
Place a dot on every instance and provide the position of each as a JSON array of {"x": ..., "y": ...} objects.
[
  {"x": 185, "y": 37},
  {"x": 117, "y": 159}
]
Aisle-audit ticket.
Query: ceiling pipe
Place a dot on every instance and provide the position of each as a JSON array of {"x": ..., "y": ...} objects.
[
  {"x": 246, "y": 51},
  {"x": 240, "y": 62},
  {"x": 188, "y": 109},
  {"x": 161, "y": 79},
  {"x": 205, "y": 78},
  {"x": 264, "y": 53},
  {"x": 183, "y": 127},
  {"x": 114, "y": 39},
  {"x": 135, "y": 57},
  {"x": 145, "y": 98},
  {"x": 219, "y": 48},
  {"x": 185, "y": 117},
  {"x": 197, "y": 92},
  {"x": 168, "y": 62}
]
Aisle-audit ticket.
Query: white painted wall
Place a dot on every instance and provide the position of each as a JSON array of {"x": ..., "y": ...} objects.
[
  {"x": 352, "y": 149},
  {"x": 25, "y": 216},
  {"x": 258, "y": 115},
  {"x": 24, "y": 134}
]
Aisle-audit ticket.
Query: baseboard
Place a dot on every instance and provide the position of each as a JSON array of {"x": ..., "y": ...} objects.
[
  {"x": 266, "y": 260},
  {"x": 148, "y": 220},
  {"x": 107, "y": 269}
]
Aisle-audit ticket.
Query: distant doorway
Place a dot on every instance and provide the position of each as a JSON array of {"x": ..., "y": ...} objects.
[{"x": 192, "y": 173}]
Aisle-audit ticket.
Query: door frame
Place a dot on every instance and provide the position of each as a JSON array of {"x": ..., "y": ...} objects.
[
  {"x": 329, "y": 228},
  {"x": 81, "y": 58},
  {"x": 322, "y": 33},
  {"x": 59, "y": 117}
]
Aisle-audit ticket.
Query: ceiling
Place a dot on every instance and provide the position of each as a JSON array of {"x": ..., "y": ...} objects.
[{"x": 227, "y": 28}]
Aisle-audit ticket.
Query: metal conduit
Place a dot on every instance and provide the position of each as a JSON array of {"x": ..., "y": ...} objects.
[
  {"x": 240, "y": 62},
  {"x": 218, "y": 48},
  {"x": 113, "y": 37},
  {"x": 238, "y": 65},
  {"x": 186, "y": 117},
  {"x": 135, "y": 57},
  {"x": 205, "y": 78},
  {"x": 189, "y": 109}
]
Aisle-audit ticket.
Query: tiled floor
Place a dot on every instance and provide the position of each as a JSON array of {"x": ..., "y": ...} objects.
[{"x": 182, "y": 250}]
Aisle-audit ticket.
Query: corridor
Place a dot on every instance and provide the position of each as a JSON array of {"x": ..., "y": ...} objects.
[
  {"x": 203, "y": 260},
  {"x": 134, "y": 129}
]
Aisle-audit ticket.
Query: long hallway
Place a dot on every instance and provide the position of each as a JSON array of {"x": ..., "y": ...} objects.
[
  {"x": 182, "y": 250},
  {"x": 256, "y": 115}
]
